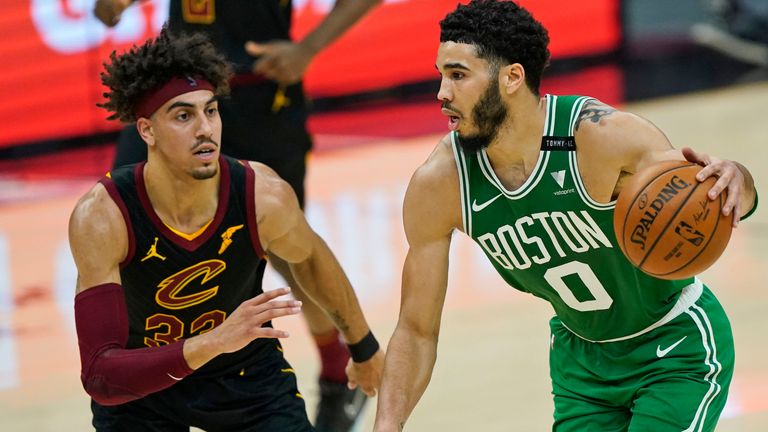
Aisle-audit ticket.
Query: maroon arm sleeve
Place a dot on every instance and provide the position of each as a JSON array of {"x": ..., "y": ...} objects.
[{"x": 112, "y": 374}]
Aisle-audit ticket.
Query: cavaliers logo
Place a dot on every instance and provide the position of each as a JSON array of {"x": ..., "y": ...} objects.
[{"x": 169, "y": 293}]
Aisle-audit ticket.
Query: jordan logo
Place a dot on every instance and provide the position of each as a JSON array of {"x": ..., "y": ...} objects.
[
  {"x": 152, "y": 252},
  {"x": 226, "y": 238},
  {"x": 559, "y": 177}
]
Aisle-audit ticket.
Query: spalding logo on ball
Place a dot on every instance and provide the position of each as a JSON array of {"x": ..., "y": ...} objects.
[{"x": 665, "y": 223}]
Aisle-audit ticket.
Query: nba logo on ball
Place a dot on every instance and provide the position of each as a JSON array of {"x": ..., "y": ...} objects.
[{"x": 665, "y": 223}]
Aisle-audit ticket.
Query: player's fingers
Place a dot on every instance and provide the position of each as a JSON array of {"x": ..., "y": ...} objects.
[
  {"x": 265, "y": 71},
  {"x": 689, "y": 154},
  {"x": 718, "y": 187},
  {"x": 271, "y": 333},
  {"x": 255, "y": 49},
  {"x": 693, "y": 156},
  {"x": 269, "y": 295},
  {"x": 736, "y": 214},
  {"x": 267, "y": 67},
  {"x": 275, "y": 305},
  {"x": 732, "y": 202},
  {"x": 270, "y": 314},
  {"x": 708, "y": 171}
]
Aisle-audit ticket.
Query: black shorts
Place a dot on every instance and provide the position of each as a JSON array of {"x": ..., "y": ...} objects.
[
  {"x": 262, "y": 396},
  {"x": 251, "y": 131}
]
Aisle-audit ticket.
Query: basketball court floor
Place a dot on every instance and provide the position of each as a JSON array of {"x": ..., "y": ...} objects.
[{"x": 491, "y": 373}]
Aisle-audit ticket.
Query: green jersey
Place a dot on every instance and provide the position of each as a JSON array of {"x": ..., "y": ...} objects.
[{"x": 551, "y": 239}]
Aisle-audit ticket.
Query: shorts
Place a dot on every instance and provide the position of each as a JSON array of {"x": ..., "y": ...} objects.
[
  {"x": 261, "y": 397},
  {"x": 250, "y": 131},
  {"x": 673, "y": 378}
]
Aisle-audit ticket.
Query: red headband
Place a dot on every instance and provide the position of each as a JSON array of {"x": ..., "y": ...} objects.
[{"x": 154, "y": 99}]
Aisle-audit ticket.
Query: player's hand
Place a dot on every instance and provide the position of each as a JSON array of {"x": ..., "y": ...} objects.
[
  {"x": 367, "y": 374},
  {"x": 280, "y": 61},
  {"x": 245, "y": 323},
  {"x": 109, "y": 11},
  {"x": 729, "y": 177}
]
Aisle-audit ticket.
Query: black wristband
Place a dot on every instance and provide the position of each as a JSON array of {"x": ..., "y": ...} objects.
[{"x": 365, "y": 349}]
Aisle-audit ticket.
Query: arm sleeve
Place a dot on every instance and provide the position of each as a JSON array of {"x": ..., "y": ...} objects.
[{"x": 112, "y": 374}]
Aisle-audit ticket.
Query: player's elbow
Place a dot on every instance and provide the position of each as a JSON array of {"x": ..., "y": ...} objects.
[
  {"x": 104, "y": 393},
  {"x": 418, "y": 329}
]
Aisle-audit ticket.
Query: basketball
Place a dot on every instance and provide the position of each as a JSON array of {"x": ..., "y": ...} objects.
[{"x": 666, "y": 225}]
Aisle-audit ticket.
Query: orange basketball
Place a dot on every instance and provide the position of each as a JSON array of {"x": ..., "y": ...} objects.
[{"x": 665, "y": 223}]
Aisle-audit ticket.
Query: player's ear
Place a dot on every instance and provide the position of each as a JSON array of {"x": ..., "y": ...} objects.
[
  {"x": 144, "y": 126},
  {"x": 511, "y": 77}
]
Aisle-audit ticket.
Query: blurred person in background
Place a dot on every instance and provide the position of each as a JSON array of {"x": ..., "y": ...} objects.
[
  {"x": 739, "y": 29},
  {"x": 264, "y": 120},
  {"x": 173, "y": 325},
  {"x": 533, "y": 180}
]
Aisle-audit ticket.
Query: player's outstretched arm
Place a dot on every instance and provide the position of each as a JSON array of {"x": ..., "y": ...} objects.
[
  {"x": 431, "y": 211},
  {"x": 284, "y": 232},
  {"x": 112, "y": 374}
]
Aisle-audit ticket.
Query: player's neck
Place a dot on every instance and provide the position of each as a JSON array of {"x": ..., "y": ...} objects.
[
  {"x": 181, "y": 201},
  {"x": 519, "y": 138}
]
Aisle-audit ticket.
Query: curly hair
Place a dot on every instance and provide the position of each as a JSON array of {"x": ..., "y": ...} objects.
[
  {"x": 503, "y": 33},
  {"x": 132, "y": 74}
]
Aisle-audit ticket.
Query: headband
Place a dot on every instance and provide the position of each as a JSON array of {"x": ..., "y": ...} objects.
[{"x": 154, "y": 99}]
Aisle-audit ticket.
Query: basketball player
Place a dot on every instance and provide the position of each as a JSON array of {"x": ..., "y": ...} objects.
[
  {"x": 533, "y": 179},
  {"x": 265, "y": 120},
  {"x": 173, "y": 326}
]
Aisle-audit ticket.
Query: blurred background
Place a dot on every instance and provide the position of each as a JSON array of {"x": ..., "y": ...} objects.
[{"x": 696, "y": 68}]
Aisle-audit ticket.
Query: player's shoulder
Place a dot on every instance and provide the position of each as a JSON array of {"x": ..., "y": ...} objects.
[
  {"x": 275, "y": 199},
  {"x": 605, "y": 132},
  {"x": 268, "y": 184},
  {"x": 599, "y": 123},
  {"x": 433, "y": 192},
  {"x": 94, "y": 205},
  {"x": 596, "y": 119},
  {"x": 439, "y": 170},
  {"x": 96, "y": 215}
]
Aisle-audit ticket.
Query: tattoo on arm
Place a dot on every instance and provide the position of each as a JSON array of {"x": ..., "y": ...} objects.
[
  {"x": 341, "y": 323},
  {"x": 593, "y": 111}
]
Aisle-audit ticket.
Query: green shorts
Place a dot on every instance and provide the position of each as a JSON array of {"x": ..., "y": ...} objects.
[{"x": 673, "y": 378}]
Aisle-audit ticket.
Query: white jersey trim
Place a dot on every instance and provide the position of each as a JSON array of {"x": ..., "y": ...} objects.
[
  {"x": 461, "y": 167},
  {"x": 699, "y": 316},
  {"x": 574, "y": 165},
  {"x": 582, "y": 190},
  {"x": 688, "y": 297},
  {"x": 525, "y": 188},
  {"x": 549, "y": 120},
  {"x": 541, "y": 163}
]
